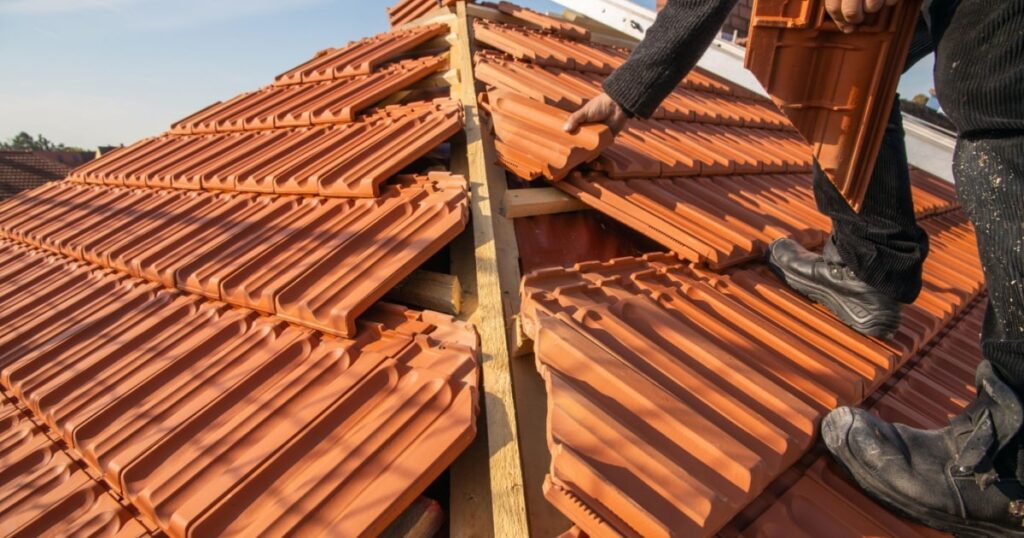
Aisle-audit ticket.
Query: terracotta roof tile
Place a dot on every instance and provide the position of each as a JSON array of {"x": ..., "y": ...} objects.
[
  {"x": 343, "y": 160},
  {"x": 655, "y": 368},
  {"x": 244, "y": 249},
  {"x": 545, "y": 48},
  {"x": 360, "y": 57},
  {"x": 23, "y": 170},
  {"x": 44, "y": 492},
  {"x": 217, "y": 420},
  {"x": 557, "y": 26},
  {"x": 835, "y": 87},
  {"x": 409, "y": 10},
  {"x": 531, "y": 141},
  {"x": 300, "y": 105},
  {"x": 196, "y": 318}
]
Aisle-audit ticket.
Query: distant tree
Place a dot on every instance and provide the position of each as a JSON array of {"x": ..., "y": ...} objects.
[
  {"x": 24, "y": 141},
  {"x": 920, "y": 99}
]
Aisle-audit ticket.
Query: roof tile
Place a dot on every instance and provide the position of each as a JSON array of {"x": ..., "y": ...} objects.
[
  {"x": 210, "y": 419},
  {"x": 22, "y": 170},
  {"x": 195, "y": 240},
  {"x": 718, "y": 379},
  {"x": 843, "y": 112}
]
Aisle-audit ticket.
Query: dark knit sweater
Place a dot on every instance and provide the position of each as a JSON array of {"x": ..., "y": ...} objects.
[{"x": 682, "y": 32}]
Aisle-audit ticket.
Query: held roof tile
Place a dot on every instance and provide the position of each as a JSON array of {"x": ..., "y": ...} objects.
[
  {"x": 210, "y": 419},
  {"x": 836, "y": 87},
  {"x": 655, "y": 368}
]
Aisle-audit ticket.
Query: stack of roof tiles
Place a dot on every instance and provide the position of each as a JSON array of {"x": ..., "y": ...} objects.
[
  {"x": 192, "y": 340},
  {"x": 698, "y": 364}
]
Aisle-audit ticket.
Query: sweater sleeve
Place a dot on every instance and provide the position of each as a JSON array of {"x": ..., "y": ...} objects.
[{"x": 682, "y": 32}]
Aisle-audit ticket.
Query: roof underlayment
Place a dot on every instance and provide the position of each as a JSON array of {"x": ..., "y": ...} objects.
[{"x": 195, "y": 342}]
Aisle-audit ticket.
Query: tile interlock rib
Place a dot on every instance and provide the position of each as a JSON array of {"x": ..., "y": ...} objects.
[
  {"x": 319, "y": 262},
  {"x": 217, "y": 420},
  {"x": 45, "y": 492},
  {"x": 656, "y": 368},
  {"x": 837, "y": 88},
  {"x": 349, "y": 160}
]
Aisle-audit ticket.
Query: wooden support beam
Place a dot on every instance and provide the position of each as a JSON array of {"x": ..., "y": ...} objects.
[
  {"x": 520, "y": 203},
  {"x": 426, "y": 289},
  {"x": 423, "y": 519},
  {"x": 496, "y": 275}
]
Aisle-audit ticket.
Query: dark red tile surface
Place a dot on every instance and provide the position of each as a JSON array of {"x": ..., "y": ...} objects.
[
  {"x": 655, "y": 368},
  {"x": 23, "y": 170},
  {"x": 213, "y": 420},
  {"x": 317, "y": 261},
  {"x": 836, "y": 88}
]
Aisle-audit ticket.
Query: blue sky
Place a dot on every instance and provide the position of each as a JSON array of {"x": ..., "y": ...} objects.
[{"x": 92, "y": 72}]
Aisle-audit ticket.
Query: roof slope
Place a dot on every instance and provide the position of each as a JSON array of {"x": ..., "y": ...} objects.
[
  {"x": 697, "y": 364},
  {"x": 23, "y": 170},
  {"x": 195, "y": 316},
  {"x": 714, "y": 176}
]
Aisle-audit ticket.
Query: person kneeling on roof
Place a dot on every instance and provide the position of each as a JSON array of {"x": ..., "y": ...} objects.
[{"x": 967, "y": 477}]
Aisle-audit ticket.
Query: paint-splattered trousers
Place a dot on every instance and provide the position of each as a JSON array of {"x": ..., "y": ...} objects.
[{"x": 979, "y": 76}]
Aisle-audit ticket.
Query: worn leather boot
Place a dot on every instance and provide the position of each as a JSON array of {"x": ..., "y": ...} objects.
[
  {"x": 826, "y": 280},
  {"x": 964, "y": 478}
]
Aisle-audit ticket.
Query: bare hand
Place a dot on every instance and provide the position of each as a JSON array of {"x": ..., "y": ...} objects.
[
  {"x": 601, "y": 109},
  {"x": 849, "y": 13}
]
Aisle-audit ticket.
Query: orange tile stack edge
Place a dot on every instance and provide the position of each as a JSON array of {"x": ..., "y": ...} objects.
[{"x": 192, "y": 341}]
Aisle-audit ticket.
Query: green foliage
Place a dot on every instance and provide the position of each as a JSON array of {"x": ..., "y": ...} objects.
[{"x": 24, "y": 141}]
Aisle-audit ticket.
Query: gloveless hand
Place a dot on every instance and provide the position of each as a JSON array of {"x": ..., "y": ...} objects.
[
  {"x": 849, "y": 13},
  {"x": 601, "y": 109}
]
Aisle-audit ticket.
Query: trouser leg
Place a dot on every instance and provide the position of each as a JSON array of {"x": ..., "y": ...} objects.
[
  {"x": 990, "y": 184},
  {"x": 980, "y": 83},
  {"x": 882, "y": 244}
]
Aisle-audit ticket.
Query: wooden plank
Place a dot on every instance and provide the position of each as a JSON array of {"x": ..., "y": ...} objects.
[
  {"x": 496, "y": 290},
  {"x": 426, "y": 289},
  {"x": 423, "y": 519},
  {"x": 520, "y": 203}
]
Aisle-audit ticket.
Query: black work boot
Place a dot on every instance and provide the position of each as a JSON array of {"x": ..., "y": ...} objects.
[
  {"x": 826, "y": 280},
  {"x": 964, "y": 478}
]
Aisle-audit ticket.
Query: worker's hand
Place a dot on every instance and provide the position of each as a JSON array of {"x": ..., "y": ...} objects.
[
  {"x": 601, "y": 109},
  {"x": 849, "y": 13}
]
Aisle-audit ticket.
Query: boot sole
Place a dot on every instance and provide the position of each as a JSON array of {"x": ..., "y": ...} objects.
[
  {"x": 878, "y": 326},
  {"x": 931, "y": 518}
]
